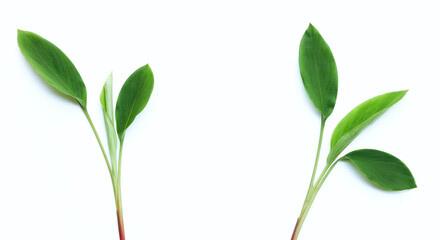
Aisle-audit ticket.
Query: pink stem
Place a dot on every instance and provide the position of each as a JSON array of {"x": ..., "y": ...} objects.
[
  {"x": 296, "y": 231},
  {"x": 120, "y": 225}
]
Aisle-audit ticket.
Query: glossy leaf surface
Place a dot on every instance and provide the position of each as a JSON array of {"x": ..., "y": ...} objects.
[
  {"x": 109, "y": 119},
  {"x": 358, "y": 119},
  {"x": 383, "y": 169},
  {"x": 318, "y": 71},
  {"x": 52, "y": 65},
  {"x": 133, "y": 98}
]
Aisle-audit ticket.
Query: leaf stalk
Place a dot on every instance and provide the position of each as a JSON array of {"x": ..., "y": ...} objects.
[
  {"x": 115, "y": 175},
  {"x": 97, "y": 138},
  {"x": 313, "y": 187}
]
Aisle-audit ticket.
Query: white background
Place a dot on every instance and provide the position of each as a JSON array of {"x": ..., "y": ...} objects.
[{"x": 225, "y": 147}]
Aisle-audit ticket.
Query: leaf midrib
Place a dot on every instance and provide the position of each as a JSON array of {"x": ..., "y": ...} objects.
[
  {"x": 54, "y": 73},
  {"x": 131, "y": 111},
  {"x": 340, "y": 149}
]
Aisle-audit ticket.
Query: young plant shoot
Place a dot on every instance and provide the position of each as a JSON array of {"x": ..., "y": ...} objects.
[
  {"x": 320, "y": 79},
  {"x": 59, "y": 72}
]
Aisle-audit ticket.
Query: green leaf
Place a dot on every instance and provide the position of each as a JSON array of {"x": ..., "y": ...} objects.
[
  {"x": 52, "y": 65},
  {"x": 133, "y": 98},
  {"x": 358, "y": 119},
  {"x": 383, "y": 169},
  {"x": 109, "y": 119},
  {"x": 318, "y": 71}
]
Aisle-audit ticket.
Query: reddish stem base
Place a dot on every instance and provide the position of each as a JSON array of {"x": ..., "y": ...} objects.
[
  {"x": 296, "y": 231},
  {"x": 121, "y": 226}
]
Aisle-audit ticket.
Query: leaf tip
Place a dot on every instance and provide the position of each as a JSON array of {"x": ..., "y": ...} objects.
[
  {"x": 412, "y": 184},
  {"x": 309, "y": 29},
  {"x": 147, "y": 66},
  {"x": 402, "y": 93},
  {"x": 148, "y": 69},
  {"x": 20, "y": 33},
  {"x": 408, "y": 187}
]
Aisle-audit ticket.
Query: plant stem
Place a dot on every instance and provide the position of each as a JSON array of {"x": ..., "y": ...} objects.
[
  {"x": 99, "y": 140},
  {"x": 306, "y": 207},
  {"x": 318, "y": 152},
  {"x": 120, "y": 159},
  {"x": 116, "y": 178},
  {"x": 309, "y": 195},
  {"x": 120, "y": 216},
  {"x": 119, "y": 197},
  {"x": 328, "y": 169}
]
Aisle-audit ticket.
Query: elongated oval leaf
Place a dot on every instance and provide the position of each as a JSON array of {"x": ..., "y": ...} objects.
[
  {"x": 133, "y": 98},
  {"x": 318, "y": 71},
  {"x": 383, "y": 169},
  {"x": 358, "y": 119},
  {"x": 52, "y": 65},
  {"x": 109, "y": 119}
]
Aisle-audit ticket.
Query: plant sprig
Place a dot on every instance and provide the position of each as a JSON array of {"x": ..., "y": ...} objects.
[
  {"x": 59, "y": 72},
  {"x": 320, "y": 78}
]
